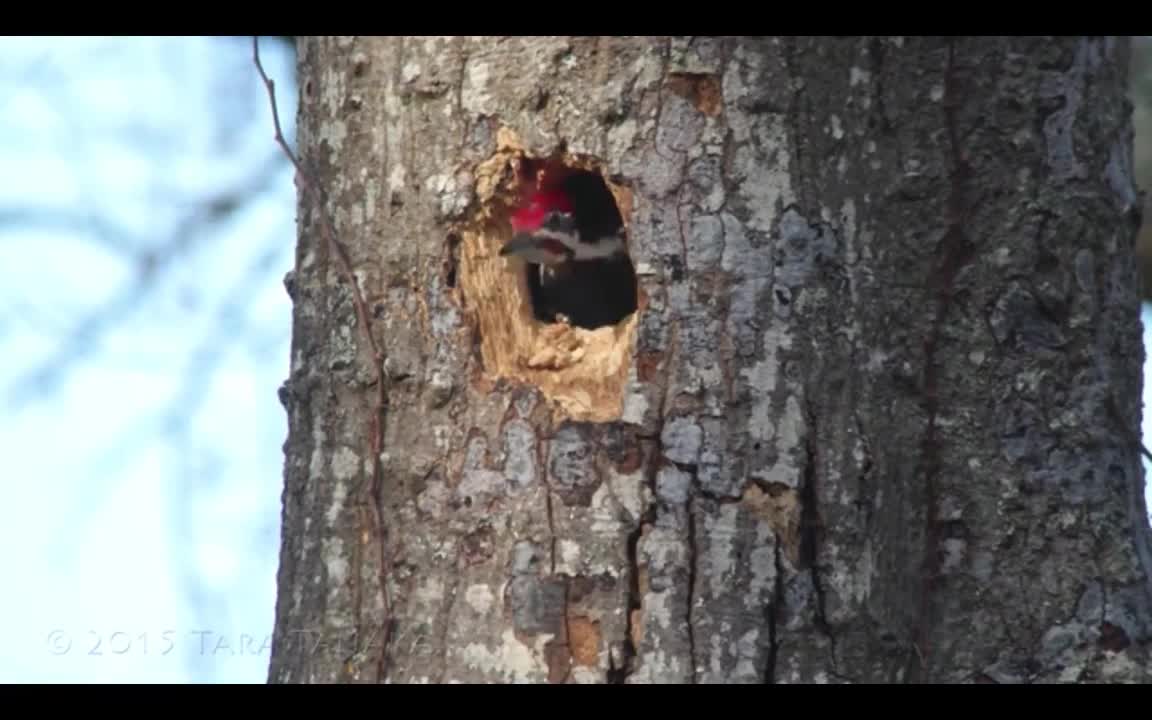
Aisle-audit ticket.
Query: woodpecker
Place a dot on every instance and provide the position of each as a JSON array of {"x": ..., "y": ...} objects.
[{"x": 572, "y": 237}]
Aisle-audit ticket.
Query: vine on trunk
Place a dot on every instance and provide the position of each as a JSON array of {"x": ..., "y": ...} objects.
[{"x": 316, "y": 196}]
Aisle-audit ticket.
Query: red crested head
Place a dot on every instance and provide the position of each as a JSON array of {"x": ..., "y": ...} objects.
[
  {"x": 561, "y": 222},
  {"x": 531, "y": 216},
  {"x": 542, "y": 230}
]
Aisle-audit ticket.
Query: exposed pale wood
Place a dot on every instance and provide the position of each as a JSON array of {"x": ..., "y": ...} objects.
[{"x": 583, "y": 372}]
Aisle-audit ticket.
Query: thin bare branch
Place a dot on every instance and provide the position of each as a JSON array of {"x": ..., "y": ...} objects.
[
  {"x": 151, "y": 263},
  {"x": 107, "y": 233},
  {"x": 315, "y": 194}
]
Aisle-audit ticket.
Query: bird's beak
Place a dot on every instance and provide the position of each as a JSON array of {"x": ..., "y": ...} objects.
[{"x": 529, "y": 249}]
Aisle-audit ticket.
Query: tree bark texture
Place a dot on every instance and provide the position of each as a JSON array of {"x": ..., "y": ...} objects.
[{"x": 873, "y": 422}]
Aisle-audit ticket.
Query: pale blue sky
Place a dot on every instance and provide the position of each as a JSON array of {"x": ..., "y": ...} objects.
[
  {"x": 142, "y": 486},
  {"x": 142, "y": 472}
]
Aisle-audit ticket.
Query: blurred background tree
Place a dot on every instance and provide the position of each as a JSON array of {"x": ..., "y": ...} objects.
[{"x": 147, "y": 219}]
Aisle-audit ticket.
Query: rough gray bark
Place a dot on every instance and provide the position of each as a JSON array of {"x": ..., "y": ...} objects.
[{"x": 873, "y": 422}]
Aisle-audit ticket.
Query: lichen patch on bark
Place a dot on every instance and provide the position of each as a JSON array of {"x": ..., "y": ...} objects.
[{"x": 510, "y": 661}]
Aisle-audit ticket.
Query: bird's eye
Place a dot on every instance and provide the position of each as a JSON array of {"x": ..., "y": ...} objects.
[{"x": 557, "y": 222}]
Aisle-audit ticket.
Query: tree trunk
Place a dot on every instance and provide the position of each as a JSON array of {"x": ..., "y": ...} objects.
[{"x": 873, "y": 421}]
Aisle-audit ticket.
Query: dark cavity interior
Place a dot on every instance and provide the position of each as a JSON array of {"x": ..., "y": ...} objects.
[{"x": 594, "y": 293}]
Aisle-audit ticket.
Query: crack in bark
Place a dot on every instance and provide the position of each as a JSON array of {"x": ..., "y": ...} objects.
[
  {"x": 876, "y": 58},
  {"x": 542, "y": 455},
  {"x": 551, "y": 525},
  {"x": 567, "y": 644},
  {"x": 692, "y": 559},
  {"x": 788, "y": 54},
  {"x": 810, "y": 530},
  {"x": 451, "y": 605},
  {"x": 564, "y": 644},
  {"x": 772, "y": 612},
  {"x": 462, "y": 50},
  {"x": 864, "y": 495},
  {"x": 664, "y": 72},
  {"x": 619, "y": 675},
  {"x": 1103, "y": 602},
  {"x": 635, "y": 600},
  {"x": 955, "y": 250}
]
